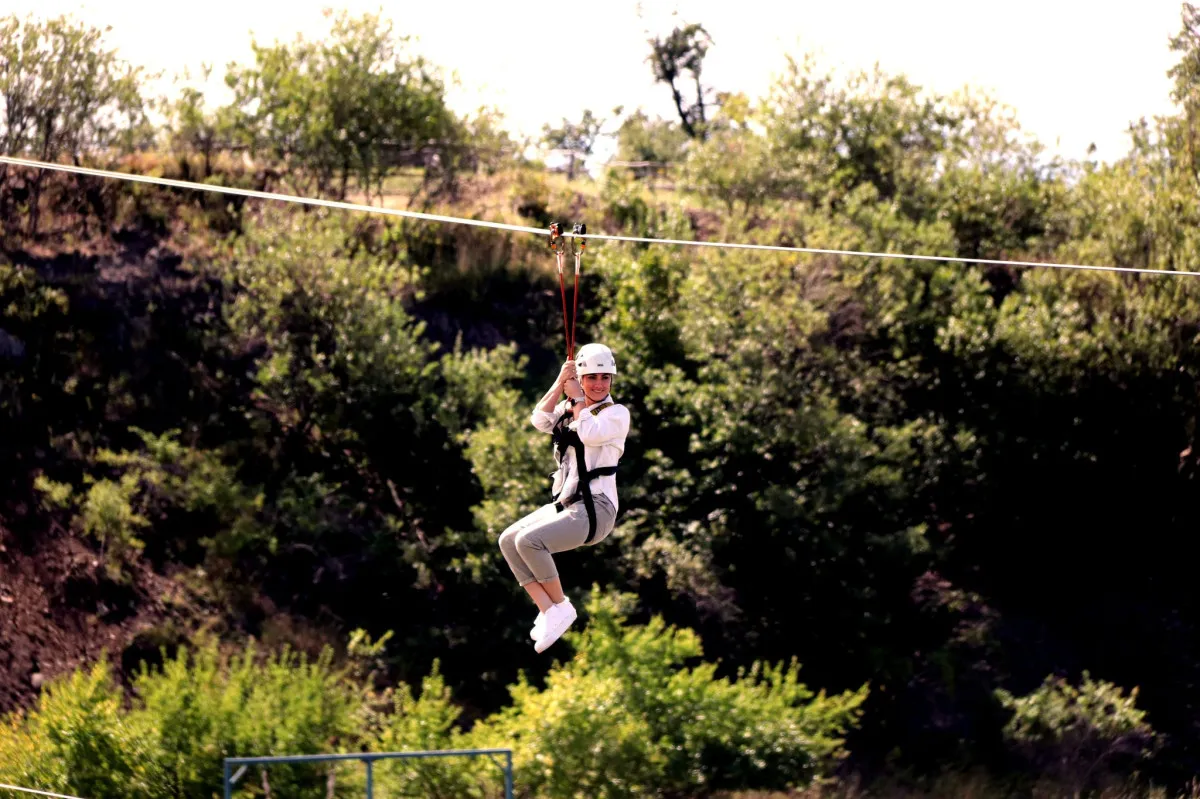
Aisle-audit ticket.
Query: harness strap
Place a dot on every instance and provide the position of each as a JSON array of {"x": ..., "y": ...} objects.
[
  {"x": 585, "y": 487},
  {"x": 564, "y": 437}
]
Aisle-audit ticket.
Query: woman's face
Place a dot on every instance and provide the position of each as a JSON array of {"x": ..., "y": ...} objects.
[{"x": 596, "y": 387}]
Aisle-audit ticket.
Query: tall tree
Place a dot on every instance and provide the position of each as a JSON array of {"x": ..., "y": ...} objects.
[
  {"x": 333, "y": 108},
  {"x": 1187, "y": 83},
  {"x": 673, "y": 58},
  {"x": 578, "y": 139},
  {"x": 63, "y": 95}
]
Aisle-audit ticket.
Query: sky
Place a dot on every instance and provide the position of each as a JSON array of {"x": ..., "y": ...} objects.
[{"x": 1076, "y": 73}]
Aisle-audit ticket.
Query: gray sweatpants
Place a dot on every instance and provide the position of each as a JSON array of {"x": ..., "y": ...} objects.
[{"x": 529, "y": 543}]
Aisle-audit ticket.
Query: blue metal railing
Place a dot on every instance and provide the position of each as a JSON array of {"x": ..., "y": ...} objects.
[{"x": 369, "y": 759}]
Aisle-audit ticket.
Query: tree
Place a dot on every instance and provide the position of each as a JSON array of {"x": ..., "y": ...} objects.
[
  {"x": 192, "y": 127},
  {"x": 577, "y": 138},
  {"x": 670, "y": 58},
  {"x": 336, "y": 108},
  {"x": 641, "y": 138},
  {"x": 489, "y": 145},
  {"x": 63, "y": 95},
  {"x": 1187, "y": 83}
]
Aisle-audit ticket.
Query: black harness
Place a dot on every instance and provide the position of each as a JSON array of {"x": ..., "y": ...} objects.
[{"x": 564, "y": 438}]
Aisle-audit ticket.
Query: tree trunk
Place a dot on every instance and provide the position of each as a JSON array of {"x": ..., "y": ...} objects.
[{"x": 683, "y": 114}]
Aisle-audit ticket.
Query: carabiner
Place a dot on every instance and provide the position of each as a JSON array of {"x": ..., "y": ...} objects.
[{"x": 578, "y": 232}]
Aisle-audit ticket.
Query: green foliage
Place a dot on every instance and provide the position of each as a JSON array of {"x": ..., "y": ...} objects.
[
  {"x": 510, "y": 459},
  {"x": 332, "y": 107},
  {"x": 736, "y": 166},
  {"x": 627, "y": 717},
  {"x": 162, "y": 481},
  {"x": 492, "y": 147},
  {"x": 529, "y": 195},
  {"x": 641, "y": 138},
  {"x": 1075, "y": 731},
  {"x": 54, "y": 495},
  {"x": 79, "y": 740},
  {"x": 193, "y": 127},
  {"x": 204, "y": 708},
  {"x": 62, "y": 94},
  {"x": 333, "y": 324},
  {"x": 847, "y": 461},
  {"x": 197, "y": 709},
  {"x": 107, "y": 515},
  {"x": 1186, "y": 91},
  {"x": 629, "y": 210},
  {"x": 195, "y": 481},
  {"x": 675, "y": 57},
  {"x": 429, "y": 722},
  {"x": 577, "y": 738},
  {"x": 470, "y": 378},
  {"x": 576, "y": 138}
]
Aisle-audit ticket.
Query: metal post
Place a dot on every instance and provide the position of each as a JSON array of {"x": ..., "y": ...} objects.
[{"x": 367, "y": 758}]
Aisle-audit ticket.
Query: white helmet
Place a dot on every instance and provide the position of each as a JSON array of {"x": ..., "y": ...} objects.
[{"x": 595, "y": 359}]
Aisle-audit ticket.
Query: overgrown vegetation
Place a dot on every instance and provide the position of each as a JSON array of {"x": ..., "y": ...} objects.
[
  {"x": 953, "y": 493},
  {"x": 611, "y": 724}
]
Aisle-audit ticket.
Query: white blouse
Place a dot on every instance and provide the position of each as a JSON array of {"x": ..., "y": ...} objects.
[{"x": 603, "y": 436}]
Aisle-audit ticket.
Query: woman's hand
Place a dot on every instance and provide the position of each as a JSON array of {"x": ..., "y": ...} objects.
[
  {"x": 566, "y": 373},
  {"x": 573, "y": 389}
]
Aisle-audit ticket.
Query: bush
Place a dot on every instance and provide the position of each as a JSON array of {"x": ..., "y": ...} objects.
[
  {"x": 430, "y": 722},
  {"x": 107, "y": 515},
  {"x": 80, "y": 741},
  {"x": 161, "y": 478},
  {"x": 185, "y": 719},
  {"x": 627, "y": 718},
  {"x": 204, "y": 708},
  {"x": 1076, "y": 733},
  {"x": 530, "y": 196},
  {"x": 579, "y": 737}
]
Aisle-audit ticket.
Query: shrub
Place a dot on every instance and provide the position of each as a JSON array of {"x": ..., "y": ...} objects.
[
  {"x": 1076, "y": 732},
  {"x": 204, "y": 708},
  {"x": 79, "y": 741},
  {"x": 627, "y": 717}
]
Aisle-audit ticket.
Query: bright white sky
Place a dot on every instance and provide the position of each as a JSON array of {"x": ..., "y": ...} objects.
[{"x": 1076, "y": 72}]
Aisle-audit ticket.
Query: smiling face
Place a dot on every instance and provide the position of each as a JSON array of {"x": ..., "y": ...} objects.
[{"x": 596, "y": 387}]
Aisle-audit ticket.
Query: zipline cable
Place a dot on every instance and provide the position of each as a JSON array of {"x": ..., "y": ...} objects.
[
  {"x": 560, "y": 255},
  {"x": 38, "y": 793},
  {"x": 263, "y": 195},
  {"x": 579, "y": 230}
]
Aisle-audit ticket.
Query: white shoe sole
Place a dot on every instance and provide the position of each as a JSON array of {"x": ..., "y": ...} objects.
[{"x": 555, "y": 631}]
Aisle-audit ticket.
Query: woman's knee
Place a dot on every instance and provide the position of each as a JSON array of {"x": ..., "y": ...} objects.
[{"x": 508, "y": 539}]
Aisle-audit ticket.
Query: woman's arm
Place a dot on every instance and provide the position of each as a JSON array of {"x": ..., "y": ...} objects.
[
  {"x": 550, "y": 398},
  {"x": 544, "y": 414}
]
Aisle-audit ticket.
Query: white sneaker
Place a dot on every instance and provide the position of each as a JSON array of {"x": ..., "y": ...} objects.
[
  {"x": 558, "y": 618},
  {"x": 539, "y": 624}
]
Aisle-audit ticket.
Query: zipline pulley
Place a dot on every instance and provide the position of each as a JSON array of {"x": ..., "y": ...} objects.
[{"x": 558, "y": 245}]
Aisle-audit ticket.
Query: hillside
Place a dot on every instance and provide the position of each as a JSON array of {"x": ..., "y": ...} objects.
[{"x": 957, "y": 498}]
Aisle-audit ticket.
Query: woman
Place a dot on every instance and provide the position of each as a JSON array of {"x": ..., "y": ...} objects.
[{"x": 588, "y": 430}]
